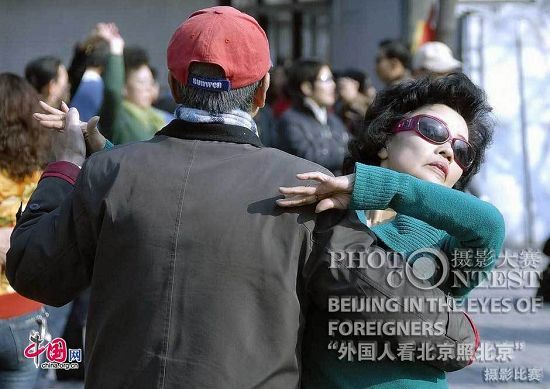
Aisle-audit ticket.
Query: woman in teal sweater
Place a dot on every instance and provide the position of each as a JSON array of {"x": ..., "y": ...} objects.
[{"x": 420, "y": 139}]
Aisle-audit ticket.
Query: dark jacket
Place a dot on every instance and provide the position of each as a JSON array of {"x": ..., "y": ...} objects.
[
  {"x": 302, "y": 135},
  {"x": 198, "y": 279}
]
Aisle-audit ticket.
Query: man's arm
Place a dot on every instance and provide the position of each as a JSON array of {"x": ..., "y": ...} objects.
[{"x": 53, "y": 244}]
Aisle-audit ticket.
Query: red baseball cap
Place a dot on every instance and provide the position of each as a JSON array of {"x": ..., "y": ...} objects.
[{"x": 223, "y": 36}]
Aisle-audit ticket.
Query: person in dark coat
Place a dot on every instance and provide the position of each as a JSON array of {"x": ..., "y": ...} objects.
[{"x": 309, "y": 129}]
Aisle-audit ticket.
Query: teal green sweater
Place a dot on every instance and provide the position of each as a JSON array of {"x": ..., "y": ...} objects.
[{"x": 428, "y": 215}]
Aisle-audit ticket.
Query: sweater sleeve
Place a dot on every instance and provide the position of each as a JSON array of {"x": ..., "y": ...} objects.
[
  {"x": 470, "y": 222},
  {"x": 113, "y": 79}
]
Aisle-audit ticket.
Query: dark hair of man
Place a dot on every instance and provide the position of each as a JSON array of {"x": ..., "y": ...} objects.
[
  {"x": 303, "y": 70},
  {"x": 23, "y": 143},
  {"x": 97, "y": 52},
  {"x": 390, "y": 105},
  {"x": 357, "y": 75},
  {"x": 391, "y": 48},
  {"x": 216, "y": 101},
  {"x": 41, "y": 71},
  {"x": 134, "y": 58}
]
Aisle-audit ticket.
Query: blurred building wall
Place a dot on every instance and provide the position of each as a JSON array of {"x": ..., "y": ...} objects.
[
  {"x": 357, "y": 28},
  {"x": 30, "y": 28}
]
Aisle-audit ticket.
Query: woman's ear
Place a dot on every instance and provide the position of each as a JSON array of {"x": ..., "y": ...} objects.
[
  {"x": 306, "y": 88},
  {"x": 383, "y": 153}
]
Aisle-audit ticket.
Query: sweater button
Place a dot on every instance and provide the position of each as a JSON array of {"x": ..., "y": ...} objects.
[{"x": 34, "y": 207}]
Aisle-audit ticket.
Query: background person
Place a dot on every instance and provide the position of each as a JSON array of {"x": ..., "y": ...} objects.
[
  {"x": 355, "y": 94},
  {"x": 127, "y": 113},
  {"x": 434, "y": 59},
  {"x": 23, "y": 146},
  {"x": 49, "y": 77},
  {"x": 85, "y": 73},
  {"x": 393, "y": 62},
  {"x": 309, "y": 129}
]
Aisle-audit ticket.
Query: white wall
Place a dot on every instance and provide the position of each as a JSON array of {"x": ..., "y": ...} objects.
[{"x": 502, "y": 179}]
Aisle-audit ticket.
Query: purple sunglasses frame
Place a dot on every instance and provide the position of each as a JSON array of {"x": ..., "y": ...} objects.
[{"x": 411, "y": 124}]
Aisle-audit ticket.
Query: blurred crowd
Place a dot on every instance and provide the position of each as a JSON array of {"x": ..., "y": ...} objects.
[{"x": 312, "y": 111}]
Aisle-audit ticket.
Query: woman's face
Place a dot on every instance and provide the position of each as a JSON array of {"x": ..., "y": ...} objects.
[
  {"x": 140, "y": 87},
  {"x": 407, "y": 152},
  {"x": 324, "y": 88}
]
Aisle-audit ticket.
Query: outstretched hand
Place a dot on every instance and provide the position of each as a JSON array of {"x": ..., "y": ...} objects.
[
  {"x": 331, "y": 192},
  {"x": 56, "y": 119},
  {"x": 109, "y": 32}
]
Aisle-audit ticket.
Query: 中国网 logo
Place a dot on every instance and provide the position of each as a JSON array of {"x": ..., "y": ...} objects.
[{"x": 56, "y": 353}]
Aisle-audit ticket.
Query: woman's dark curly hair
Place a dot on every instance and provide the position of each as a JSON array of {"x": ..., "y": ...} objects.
[
  {"x": 23, "y": 143},
  {"x": 391, "y": 105}
]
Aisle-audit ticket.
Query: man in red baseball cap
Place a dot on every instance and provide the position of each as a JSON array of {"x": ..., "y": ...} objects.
[
  {"x": 220, "y": 36},
  {"x": 195, "y": 272},
  {"x": 223, "y": 53}
]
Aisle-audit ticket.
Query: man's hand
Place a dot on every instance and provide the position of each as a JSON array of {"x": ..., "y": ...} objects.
[
  {"x": 55, "y": 119},
  {"x": 68, "y": 144},
  {"x": 331, "y": 192}
]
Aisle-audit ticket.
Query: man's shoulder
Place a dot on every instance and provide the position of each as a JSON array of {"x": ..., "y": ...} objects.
[
  {"x": 275, "y": 160},
  {"x": 291, "y": 162},
  {"x": 114, "y": 155}
]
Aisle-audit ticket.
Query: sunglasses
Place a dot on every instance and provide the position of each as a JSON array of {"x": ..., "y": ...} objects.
[{"x": 435, "y": 131}]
